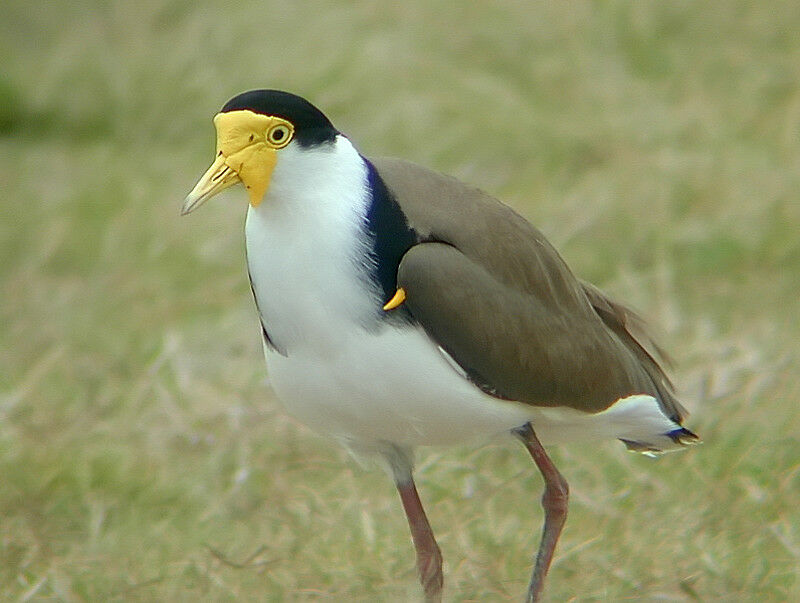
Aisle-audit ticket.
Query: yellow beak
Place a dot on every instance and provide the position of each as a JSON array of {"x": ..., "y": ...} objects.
[{"x": 216, "y": 179}]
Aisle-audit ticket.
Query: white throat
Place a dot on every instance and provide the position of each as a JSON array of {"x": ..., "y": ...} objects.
[{"x": 306, "y": 250}]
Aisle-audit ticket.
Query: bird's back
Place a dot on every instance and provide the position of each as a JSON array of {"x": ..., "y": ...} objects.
[{"x": 608, "y": 353}]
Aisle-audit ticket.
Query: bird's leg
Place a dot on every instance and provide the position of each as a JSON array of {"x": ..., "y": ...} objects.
[
  {"x": 429, "y": 557},
  {"x": 554, "y": 501}
]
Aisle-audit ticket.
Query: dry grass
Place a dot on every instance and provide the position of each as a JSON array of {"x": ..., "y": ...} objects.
[{"x": 142, "y": 456}]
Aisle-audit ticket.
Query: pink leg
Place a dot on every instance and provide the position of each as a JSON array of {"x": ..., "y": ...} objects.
[
  {"x": 554, "y": 501},
  {"x": 429, "y": 557}
]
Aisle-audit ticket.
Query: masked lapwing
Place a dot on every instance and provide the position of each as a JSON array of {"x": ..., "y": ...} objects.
[{"x": 401, "y": 308}]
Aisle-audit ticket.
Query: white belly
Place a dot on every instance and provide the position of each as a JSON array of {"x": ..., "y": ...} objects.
[
  {"x": 397, "y": 387},
  {"x": 390, "y": 386}
]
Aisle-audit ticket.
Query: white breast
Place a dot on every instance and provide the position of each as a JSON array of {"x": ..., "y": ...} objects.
[{"x": 306, "y": 257}]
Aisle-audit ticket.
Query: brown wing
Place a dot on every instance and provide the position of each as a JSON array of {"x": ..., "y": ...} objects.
[
  {"x": 492, "y": 291},
  {"x": 633, "y": 332}
]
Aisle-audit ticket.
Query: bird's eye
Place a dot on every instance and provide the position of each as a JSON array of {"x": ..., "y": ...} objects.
[{"x": 279, "y": 135}]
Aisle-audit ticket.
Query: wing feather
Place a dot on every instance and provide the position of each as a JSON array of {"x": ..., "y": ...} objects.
[{"x": 492, "y": 292}]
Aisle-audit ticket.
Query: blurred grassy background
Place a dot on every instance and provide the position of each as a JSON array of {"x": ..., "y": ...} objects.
[{"x": 142, "y": 455}]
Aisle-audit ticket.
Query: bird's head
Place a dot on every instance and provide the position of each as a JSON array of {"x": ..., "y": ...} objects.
[{"x": 252, "y": 130}]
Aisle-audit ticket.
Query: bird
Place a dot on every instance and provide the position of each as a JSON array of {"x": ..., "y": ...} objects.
[{"x": 401, "y": 308}]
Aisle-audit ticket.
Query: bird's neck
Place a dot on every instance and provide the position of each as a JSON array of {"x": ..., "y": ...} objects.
[{"x": 309, "y": 247}]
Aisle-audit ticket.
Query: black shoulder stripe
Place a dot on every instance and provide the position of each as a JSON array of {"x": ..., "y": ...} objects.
[{"x": 389, "y": 230}]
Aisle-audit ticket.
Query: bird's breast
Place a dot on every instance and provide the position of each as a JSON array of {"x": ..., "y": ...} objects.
[{"x": 310, "y": 279}]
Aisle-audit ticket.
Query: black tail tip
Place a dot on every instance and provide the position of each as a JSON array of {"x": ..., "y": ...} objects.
[
  {"x": 677, "y": 439},
  {"x": 683, "y": 436}
]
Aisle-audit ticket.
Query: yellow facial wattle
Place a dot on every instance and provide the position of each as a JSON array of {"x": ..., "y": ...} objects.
[
  {"x": 247, "y": 145},
  {"x": 247, "y": 141}
]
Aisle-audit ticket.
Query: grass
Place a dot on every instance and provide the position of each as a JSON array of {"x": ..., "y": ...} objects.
[{"x": 142, "y": 454}]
